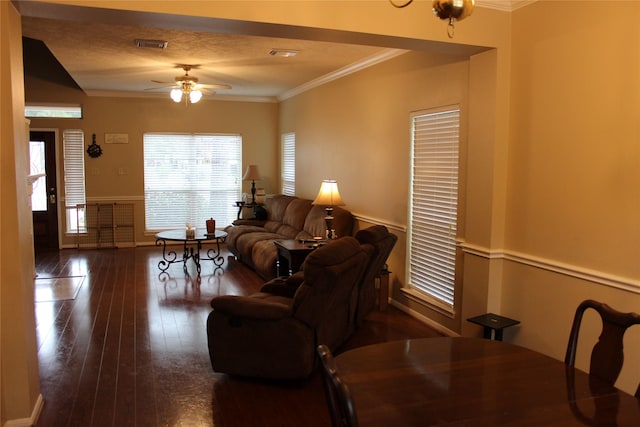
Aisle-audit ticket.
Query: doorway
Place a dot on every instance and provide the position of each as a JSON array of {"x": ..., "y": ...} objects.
[{"x": 44, "y": 200}]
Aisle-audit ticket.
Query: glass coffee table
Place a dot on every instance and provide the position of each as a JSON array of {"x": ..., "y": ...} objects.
[{"x": 191, "y": 248}]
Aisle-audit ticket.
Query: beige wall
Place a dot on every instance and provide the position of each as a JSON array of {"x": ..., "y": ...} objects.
[
  {"x": 117, "y": 175},
  {"x": 356, "y": 130},
  {"x": 573, "y": 229},
  {"x": 20, "y": 388}
]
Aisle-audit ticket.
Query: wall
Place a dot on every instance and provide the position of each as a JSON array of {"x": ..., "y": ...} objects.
[
  {"x": 117, "y": 175},
  {"x": 20, "y": 388},
  {"x": 344, "y": 132},
  {"x": 574, "y": 167}
]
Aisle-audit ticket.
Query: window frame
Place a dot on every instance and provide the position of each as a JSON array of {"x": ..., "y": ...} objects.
[
  {"x": 74, "y": 180},
  {"x": 209, "y": 192},
  {"x": 53, "y": 111},
  {"x": 288, "y": 164},
  {"x": 435, "y": 284}
]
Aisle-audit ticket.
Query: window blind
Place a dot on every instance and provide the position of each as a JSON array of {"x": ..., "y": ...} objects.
[
  {"x": 434, "y": 204},
  {"x": 189, "y": 178},
  {"x": 288, "y": 164},
  {"x": 74, "y": 188}
]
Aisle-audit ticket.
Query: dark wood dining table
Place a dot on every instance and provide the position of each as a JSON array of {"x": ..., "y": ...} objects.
[{"x": 455, "y": 381}]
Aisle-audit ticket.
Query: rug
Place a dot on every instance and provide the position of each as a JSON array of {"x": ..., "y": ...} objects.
[{"x": 49, "y": 289}]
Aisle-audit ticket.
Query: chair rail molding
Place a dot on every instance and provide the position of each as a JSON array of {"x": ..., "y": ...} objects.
[{"x": 611, "y": 280}]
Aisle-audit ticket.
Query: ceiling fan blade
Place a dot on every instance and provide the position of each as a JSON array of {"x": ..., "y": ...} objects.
[
  {"x": 160, "y": 87},
  {"x": 161, "y": 82},
  {"x": 214, "y": 86}
]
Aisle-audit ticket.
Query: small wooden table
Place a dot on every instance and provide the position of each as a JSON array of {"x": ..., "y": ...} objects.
[
  {"x": 476, "y": 382},
  {"x": 493, "y": 323},
  {"x": 191, "y": 248},
  {"x": 291, "y": 255}
]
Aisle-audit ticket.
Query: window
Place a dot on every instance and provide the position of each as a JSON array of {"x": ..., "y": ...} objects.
[
  {"x": 288, "y": 164},
  {"x": 434, "y": 205},
  {"x": 54, "y": 111},
  {"x": 74, "y": 193},
  {"x": 189, "y": 178},
  {"x": 37, "y": 158}
]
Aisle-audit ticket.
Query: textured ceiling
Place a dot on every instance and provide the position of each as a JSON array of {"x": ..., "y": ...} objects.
[
  {"x": 96, "y": 47},
  {"x": 104, "y": 58}
]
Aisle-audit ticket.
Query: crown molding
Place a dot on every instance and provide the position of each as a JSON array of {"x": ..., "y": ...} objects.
[
  {"x": 158, "y": 95},
  {"x": 504, "y": 5},
  {"x": 384, "y": 55}
]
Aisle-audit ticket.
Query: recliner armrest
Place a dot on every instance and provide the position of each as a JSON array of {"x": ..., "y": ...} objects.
[
  {"x": 284, "y": 286},
  {"x": 250, "y": 308}
]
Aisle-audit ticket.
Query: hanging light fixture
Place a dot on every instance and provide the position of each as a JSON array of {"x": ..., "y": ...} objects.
[
  {"x": 190, "y": 94},
  {"x": 187, "y": 88},
  {"x": 451, "y": 10}
]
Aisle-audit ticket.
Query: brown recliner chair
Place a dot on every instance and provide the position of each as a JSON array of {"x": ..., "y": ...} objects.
[
  {"x": 271, "y": 336},
  {"x": 383, "y": 242}
]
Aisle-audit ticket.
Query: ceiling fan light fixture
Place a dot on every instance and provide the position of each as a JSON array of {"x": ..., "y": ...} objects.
[
  {"x": 176, "y": 94},
  {"x": 195, "y": 96}
]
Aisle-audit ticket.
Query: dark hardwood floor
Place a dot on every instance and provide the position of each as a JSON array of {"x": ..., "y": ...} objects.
[{"x": 131, "y": 348}]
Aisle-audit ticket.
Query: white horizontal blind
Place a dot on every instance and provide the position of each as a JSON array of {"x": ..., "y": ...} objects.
[
  {"x": 189, "y": 178},
  {"x": 434, "y": 204},
  {"x": 288, "y": 164},
  {"x": 74, "y": 188}
]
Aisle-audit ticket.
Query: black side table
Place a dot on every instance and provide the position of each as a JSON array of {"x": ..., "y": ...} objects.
[{"x": 493, "y": 323}]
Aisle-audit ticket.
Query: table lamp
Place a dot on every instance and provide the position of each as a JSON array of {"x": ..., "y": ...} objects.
[
  {"x": 329, "y": 197},
  {"x": 252, "y": 175}
]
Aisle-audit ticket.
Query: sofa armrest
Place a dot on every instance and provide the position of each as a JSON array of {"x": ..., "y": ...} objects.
[
  {"x": 255, "y": 222},
  {"x": 250, "y": 308}
]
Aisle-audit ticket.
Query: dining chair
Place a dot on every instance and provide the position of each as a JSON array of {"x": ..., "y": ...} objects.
[
  {"x": 607, "y": 355},
  {"x": 339, "y": 400}
]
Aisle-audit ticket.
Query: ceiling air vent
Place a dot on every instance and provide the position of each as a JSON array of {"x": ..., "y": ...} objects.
[
  {"x": 287, "y": 53},
  {"x": 156, "y": 44}
]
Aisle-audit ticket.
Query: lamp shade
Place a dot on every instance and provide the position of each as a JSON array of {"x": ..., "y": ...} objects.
[
  {"x": 328, "y": 194},
  {"x": 251, "y": 174}
]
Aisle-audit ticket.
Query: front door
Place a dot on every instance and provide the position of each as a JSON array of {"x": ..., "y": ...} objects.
[{"x": 44, "y": 203}]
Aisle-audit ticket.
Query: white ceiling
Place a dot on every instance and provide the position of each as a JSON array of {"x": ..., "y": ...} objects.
[{"x": 96, "y": 47}]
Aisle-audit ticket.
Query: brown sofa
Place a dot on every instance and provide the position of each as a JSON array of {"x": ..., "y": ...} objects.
[
  {"x": 271, "y": 336},
  {"x": 288, "y": 217}
]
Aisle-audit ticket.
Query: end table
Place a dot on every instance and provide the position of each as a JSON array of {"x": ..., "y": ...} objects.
[
  {"x": 493, "y": 323},
  {"x": 291, "y": 255}
]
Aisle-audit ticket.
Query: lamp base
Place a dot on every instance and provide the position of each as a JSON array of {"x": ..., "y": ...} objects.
[
  {"x": 329, "y": 222},
  {"x": 253, "y": 192}
]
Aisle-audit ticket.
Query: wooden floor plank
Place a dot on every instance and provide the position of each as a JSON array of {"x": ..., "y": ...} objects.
[{"x": 131, "y": 349}]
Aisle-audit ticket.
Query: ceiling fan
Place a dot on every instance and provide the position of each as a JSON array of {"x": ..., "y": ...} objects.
[{"x": 187, "y": 86}]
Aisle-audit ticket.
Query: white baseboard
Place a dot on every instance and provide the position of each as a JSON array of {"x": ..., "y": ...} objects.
[
  {"x": 32, "y": 420},
  {"x": 429, "y": 322}
]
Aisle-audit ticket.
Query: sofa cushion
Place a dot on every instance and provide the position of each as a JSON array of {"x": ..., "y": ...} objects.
[
  {"x": 246, "y": 242},
  {"x": 276, "y": 207},
  {"x": 294, "y": 218},
  {"x": 315, "y": 225},
  {"x": 263, "y": 257}
]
